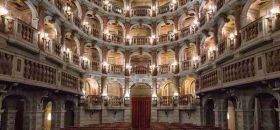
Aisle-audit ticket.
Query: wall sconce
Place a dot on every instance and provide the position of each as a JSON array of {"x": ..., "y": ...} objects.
[
  {"x": 105, "y": 66},
  {"x": 128, "y": 67},
  {"x": 152, "y": 67},
  {"x": 85, "y": 62},
  {"x": 274, "y": 11},
  {"x": 3, "y": 11},
  {"x": 195, "y": 60}
]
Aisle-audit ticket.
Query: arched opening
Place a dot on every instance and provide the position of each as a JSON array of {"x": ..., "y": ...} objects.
[
  {"x": 187, "y": 91},
  {"x": 227, "y": 37},
  {"x": 114, "y": 32},
  {"x": 141, "y": 105},
  {"x": 260, "y": 8},
  {"x": 47, "y": 115},
  {"x": 209, "y": 50},
  {"x": 188, "y": 26},
  {"x": 71, "y": 12},
  {"x": 140, "y": 64},
  {"x": 166, "y": 32},
  {"x": 115, "y": 60},
  {"x": 231, "y": 114},
  {"x": 141, "y": 7},
  {"x": 265, "y": 116},
  {"x": 72, "y": 51},
  {"x": 48, "y": 37},
  {"x": 13, "y": 117},
  {"x": 91, "y": 87},
  {"x": 209, "y": 113},
  {"x": 166, "y": 61},
  {"x": 91, "y": 57},
  {"x": 116, "y": 6},
  {"x": 140, "y": 35},
  {"x": 69, "y": 114},
  {"x": 91, "y": 25},
  {"x": 166, "y": 92},
  {"x": 188, "y": 57}
]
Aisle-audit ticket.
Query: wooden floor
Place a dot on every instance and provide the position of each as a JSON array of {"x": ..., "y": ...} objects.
[{"x": 154, "y": 126}]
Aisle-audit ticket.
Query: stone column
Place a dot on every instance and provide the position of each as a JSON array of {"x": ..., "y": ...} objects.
[
  {"x": 126, "y": 56},
  {"x": 58, "y": 116},
  {"x": 35, "y": 115},
  {"x": 244, "y": 122},
  {"x": 103, "y": 83},
  {"x": 154, "y": 113},
  {"x": 216, "y": 33},
  {"x": 127, "y": 30},
  {"x": 104, "y": 59},
  {"x": 237, "y": 12},
  {"x": 177, "y": 55},
  {"x": 154, "y": 62},
  {"x": 10, "y": 116},
  {"x": 197, "y": 43},
  {"x": 154, "y": 30},
  {"x": 155, "y": 9},
  {"x": 105, "y": 21}
]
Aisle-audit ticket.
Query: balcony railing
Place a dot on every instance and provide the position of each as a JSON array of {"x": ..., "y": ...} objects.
[
  {"x": 209, "y": 79},
  {"x": 115, "y": 101},
  {"x": 39, "y": 72},
  {"x": 164, "y": 8},
  {"x": 76, "y": 59},
  {"x": 113, "y": 38},
  {"x": 140, "y": 40},
  {"x": 225, "y": 46},
  {"x": 188, "y": 30},
  {"x": 186, "y": 100},
  {"x": 95, "y": 65},
  {"x": 116, "y": 69},
  {"x": 239, "y": 70},
  {"x": 167, "y": 38},
  {"x": 164, "y": 69},
  {"x": 257, "y": 29},
  {"x": 141, "y": 12},
  {"x": 140, "y": 70},
  {"x": 69, "y": 81},
  {"x": 94, "y": 100},
  {"x": 166, "y": 101},
  {"x": 186, "y": 65}
]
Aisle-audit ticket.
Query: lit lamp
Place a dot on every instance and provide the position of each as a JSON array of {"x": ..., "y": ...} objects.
[
  {"x": 195, "y": 60},
  {"x": 174, "y": 66},
  {"x": 128, "y": 68},
  {"x": 231, "y": 40},
  {"x": 152, "y": 67},
  {"x": 3, "y": 11},
  {"x": 128, "y": 37},
  {"x": 67, "y": 55},
  {"x": 85, "y": 62},
  {"x": 105, "y": 66}
]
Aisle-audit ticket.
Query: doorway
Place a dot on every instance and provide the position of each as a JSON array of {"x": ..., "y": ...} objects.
[
  {"x": 141, "y": 106},
  {"x": 209, "y": 113}
]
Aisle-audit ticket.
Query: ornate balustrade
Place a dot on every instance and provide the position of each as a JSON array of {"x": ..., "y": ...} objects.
[
  {"x": 115, "y": 101},
  {"x": 56, "y": 49},
  {"x": 256, "y": 29},
  {"x": 186, "y": 100},
  {"x": 95, "y": 32},
  {"x": 94, "y": 100},
  {"x": 69, "y": 81},
  {"x": 25, "y": 32},
  {"x": 209, "y": 79},
  {"x": 6, "y": 63},
  {"x": 140, "y": 70},
  {"x": 186, "y": 65},
  {"x": 164, "y": 38},
  {"x": 113, "y": 38},
  {"x": 141, "y": 12},
  {"x": 164, "y": 69},
  {"x": 225, "y": 46},
  {"x": 185, "y": 31},
  {"x": 116, "y": 69},
  {"x": 239, "y": 70},
  {"x": 166, "y": 101},
  {"x": 76, "y": 59},
  {"x": 140, "y": 40},
  {"x": 164, "y": 8},
  {"x": 117, "y": 9},
  {"x": 39, "y": 72},
  {"x": 95, "y": 65}
]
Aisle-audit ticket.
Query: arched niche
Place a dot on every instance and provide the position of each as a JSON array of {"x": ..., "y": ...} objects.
[
  {"x": 188, "y": 87},
  {"x": 167, "y": 89},
  {"x": 114, "y": 89},
  {"x": 115, "y": 58},
  {"x": 166, "y": 57},
  {"x": 140, "y": 90},
  {"x": 91, "y": 87}
]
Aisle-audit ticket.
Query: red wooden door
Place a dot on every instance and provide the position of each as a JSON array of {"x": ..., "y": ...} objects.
[{"x": 141, "y": 112}]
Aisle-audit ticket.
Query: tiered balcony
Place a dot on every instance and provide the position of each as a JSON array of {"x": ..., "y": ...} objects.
[
  {"x": 164, "y": 9},
  {"x": 94, "y": 102},
  {"x": 114, "y": 101},
  {"x": 188, "y": 31},
  {"x": 186, "y": 65},
  {"x": 164, "y": 69},
  {"x": 187, "y": 102},
  {"x": 113, "y": 38},
  {"x": 115, "y": 69},
  {"x": 140, "y": 40},
  {"x": 257, "y": 31},
  {"x": 95, "y": 65},
  {"x": 27, "y": 71},
  {"x": 165, "y": 38},
  {"x": 166, "y": 101},
  {"x": 140, "y": 70},
  {"x": 141, "y": 12},
  {"x": 209, "y": 79},
  {"x": 225, "y": 46}
]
